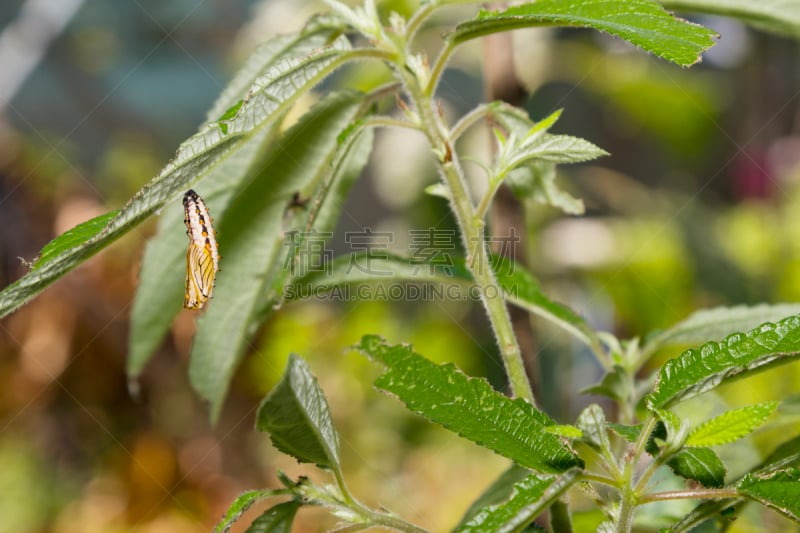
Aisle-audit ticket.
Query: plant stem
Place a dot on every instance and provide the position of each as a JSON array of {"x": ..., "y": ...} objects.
[
  {"x": 559, "y": 517},
  {"x": 471, "y": 227},
  {"x": 629, "y": 497},
  {"x": 465, "y": 122},
  {"x": 698, "y": 494},
  {"x": 417, "y": 19}
]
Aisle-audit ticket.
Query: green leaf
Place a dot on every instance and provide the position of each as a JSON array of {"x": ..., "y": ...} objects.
[
  {"x": 629, "y": 433},
  {"x": 552, "y": 148},
  {"x": 592, "y": 422},
  {"x": 499, "y": 491},
  {"x": 784, "y": 456},
  {"x": 469, "y": 407},
  {"x": 731, "y": 426},
  {"x": 159, "y": 296},
  {"x": 701, "y": 369},
  {"x": 536, "y": 180},
  {"x": 239, "y": 506},
  {"x": 780, "y": 491},
  {"x": 717, "y": 323},
  {"x": 643, "y": 23},
  {"x": 529, "y": 498},
  {"x": 269, "y": 97},
  {"x": 616, "y": 385},
  {"x": 277, "y": 519},
  {"x": 777, "y": 16},
  {"x": 318, "y": 32},
  {"x": 73, "y": 237},
  {"x": 251, "y": 235},
  {"x": 296, "y": 416},
  {"x": 699, "y": 464},
  {"x": 565, "y": 430}
]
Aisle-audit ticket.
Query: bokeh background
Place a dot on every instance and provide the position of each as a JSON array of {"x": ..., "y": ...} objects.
[{"x": 697, "y": 206}]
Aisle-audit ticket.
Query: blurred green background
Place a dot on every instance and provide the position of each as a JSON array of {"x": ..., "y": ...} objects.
[{"x": 697, "y": 206}]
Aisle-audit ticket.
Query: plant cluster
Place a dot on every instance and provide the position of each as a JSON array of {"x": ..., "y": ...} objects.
[{"x": 271, "y": 188}]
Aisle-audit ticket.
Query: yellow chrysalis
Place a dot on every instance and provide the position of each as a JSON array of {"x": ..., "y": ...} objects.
[{"x": 202, "y": 257}]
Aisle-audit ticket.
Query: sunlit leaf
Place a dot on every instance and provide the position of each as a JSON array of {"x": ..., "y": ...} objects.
[
  {"x": 297, "y": 418},
  {"x": 701, "y": 369},
  {"x": 641, "y": 22},
  {"x": 73, "y": 237},
  {"x": 731, "y": 426},
  {"x": 469, "y": 407}
]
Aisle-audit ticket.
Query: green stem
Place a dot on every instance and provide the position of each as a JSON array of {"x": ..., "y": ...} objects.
[
  {"x": 597, "y": 478},
  {"x": 698, "y": 494},
  {"x": 388, "y": 122},
  {"x": 472, "y": 232},
  {"x": 465, "y": 122},
  {"x": 559, "y": 517},
  {"x": 438, "y": 68},
  {"x": 486, "y": 201},
  {"x": 629, "y": 497},
  {"x": 417, "y": 19}
]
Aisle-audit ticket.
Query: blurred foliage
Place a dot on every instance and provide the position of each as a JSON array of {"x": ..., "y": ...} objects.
[{"x": 697, "y": 206}]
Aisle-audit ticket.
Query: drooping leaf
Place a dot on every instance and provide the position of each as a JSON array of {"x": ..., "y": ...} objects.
[
  {"x": 777, "y": 16},
  {"x": 717, "y": 323},
  {"x": 239, "y": 506},
  {"x": 643, "y": 23},
  {"x": 469, "y": 407},
  {"x": 699, "y": 464},
  {"x": 529, "y": 497},
  {"x": 296, "y": 416},
  {"x": 252, "y": 238},
  {"x": 701, "y": 369},
  {"x": 780, "y": 491},
  {"x": 159, "y": 295},
  {"x": 786, "y": 456},
  {"x": 731, "y": 426},
  {"x": 277, "y": 519},
  {"x": 269, "y": 97}
]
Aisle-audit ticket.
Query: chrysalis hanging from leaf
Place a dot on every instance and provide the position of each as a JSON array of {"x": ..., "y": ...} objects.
[{"x": 202, "y": 257}]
